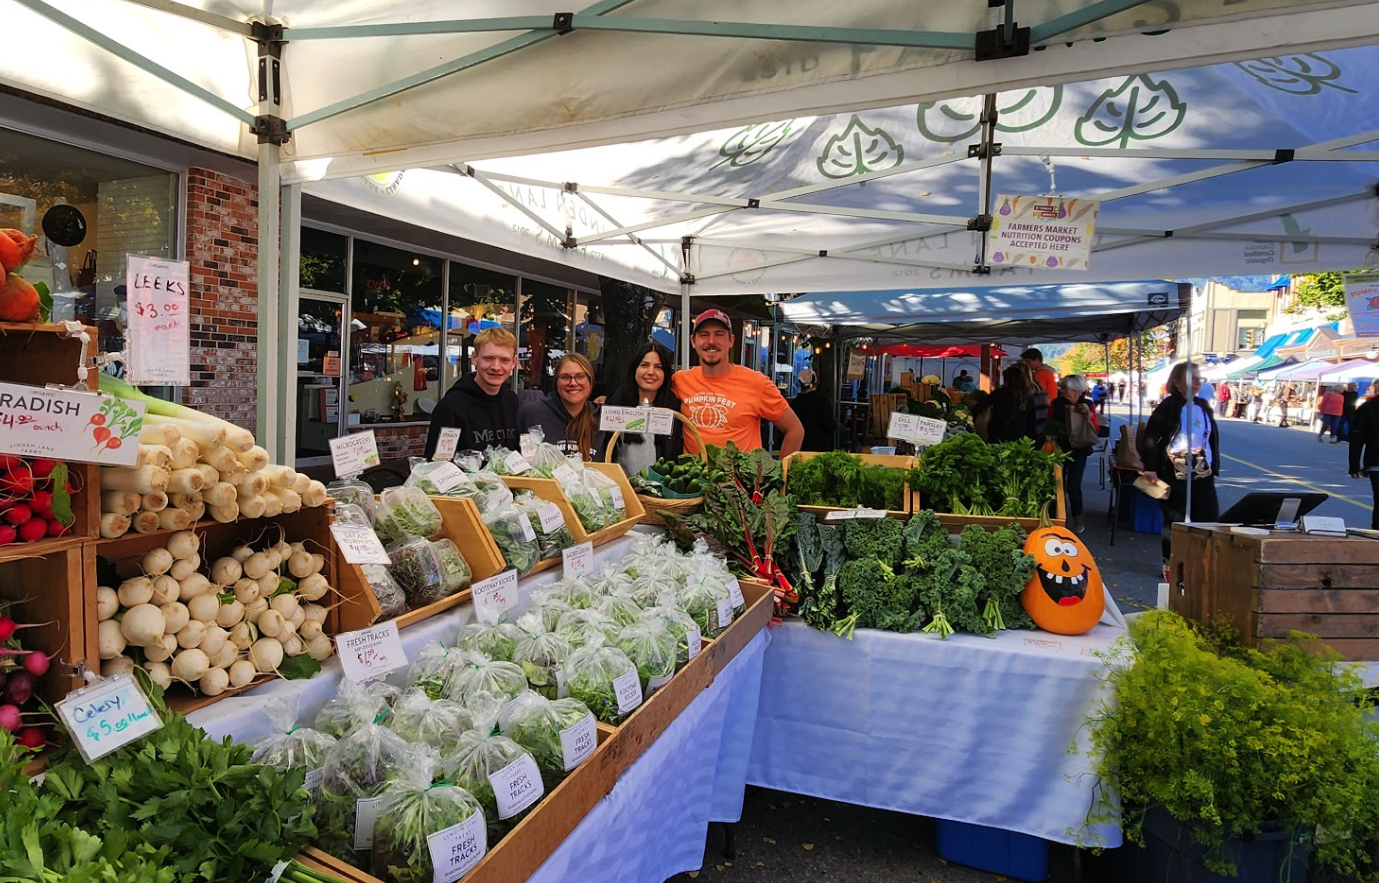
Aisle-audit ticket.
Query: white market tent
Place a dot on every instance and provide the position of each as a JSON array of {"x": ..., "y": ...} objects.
[{"x": 849, "y": 161}]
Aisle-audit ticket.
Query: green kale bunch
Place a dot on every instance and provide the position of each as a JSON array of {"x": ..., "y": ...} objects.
[
  {"x": 1000, "y": 557},
  {"x": 879, "y": 538}
]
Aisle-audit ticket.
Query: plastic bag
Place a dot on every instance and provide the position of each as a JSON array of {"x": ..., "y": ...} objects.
[
  {"x": 353, "y": 490},
  {"x": 425, "y": 831},
  {"x": 654, "y": 585},
  {"x": 577, "y": 592},
  {"x": 494, "y": 641},
  {"x": 706, "y": 598},
  {"x": 422, "y": 720},
  {"x": 405, "y": 512},
  {"x": 609, "y": 494},
  {"x": 704, "y": 566},
  {"x": 620, "y": 608},
  {"x": 392, "y": 600},
  {"x": 651, "y": 646},
  {"x": 481, "y": 674},
  {"x": 543, "y": 613},
  {"x": 430, "y": 671},
  {"x": 353, "y": 515},
  {"x": 584, "y": 627},
  {"x": 688, "y": 640},
  {"x": 501, "y": 774},
  {"x": 438, "y": 477},
  {"x": 613, "y": 579},
  {"x": 292, "y": 747},
  {"x": 540, "y": 654},
  {"x": 417, "y": 569},
  {"x": 511, "y": 531},
  {"x": 454, "y": 569},
  {"x": 546, "y": 460},
  {"x": 559, "y": 734},
  {"x": 547, "y": 522},
  {"x": 502, "y": 461},
  {"x": 356, "y": 769},
  {"x": 605, "y": 680},
  {"x": 356, "y": 703}
]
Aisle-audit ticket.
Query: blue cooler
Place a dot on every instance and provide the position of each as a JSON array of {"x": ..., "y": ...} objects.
[{"x": 992, "y": 849}]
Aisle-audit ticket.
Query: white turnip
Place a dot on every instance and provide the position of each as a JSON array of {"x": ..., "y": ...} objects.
[
  {"x": 319, "y": 648},
  {"x": 203, "y": 608},
  {"x": 313, "y": 587},
  {"x": 165, "y": 590},
  {"x": 107, "y": 603},
  {"x": 299, "y": 564},
  {"x": 225, "y": 571},
  {"x": 196, "y": 586},
  {"x": 175, "y": 616},
  {"x": 230, "y": 615},
  {"x": 120, "y": 665},
  {"x": 292, "y": 645},
  {"x": 246, "y": 590},
  {"x": 156, "y": 561},
  {"x": 110, "y": 639},
  {"x": 243, "y": 634},
  {"x": 162, "y": 650},
  {"x": 214, "y": 640},
  {"x": 255, "y": 609},
  {"x": 286, "y": 604},
  {"x": 242, "y": 673},
  {"x": 239, "y": 553},
  {"x": 257, "y": 565},
  {"x": 143, "y": 625},
  {"x": 184, "y": 544},
  {"x": 185, "y": 567},
  {"x": 191, "y": 634},
  {"x": 315, "y": 612},
  {"x": 159, "y": 673},
  {"x": 266, "y": 654},
  {"x": 272, "y": 623},
  {"x": 309, "y": 630},
  {"x": 190, "y": 665},
  {"x": 135, "y": 591}
]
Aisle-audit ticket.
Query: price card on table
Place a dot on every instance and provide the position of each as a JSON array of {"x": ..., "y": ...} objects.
[
  {"x": 578, "y": 559},
  {"x": 371, "y": 652},
  {"x": 447, "y": 444},
  {"x": 578, "y": 742},
  {"x": 108, "y": 715},
  {"x": 457, "y": 849},
  {"x": 159, "y": 329},
  {"x": 359, "y": 545},
  {"x": 551, "y": 519},
  {"x": 657, "y": 421},
  {"x": 495, "y": 596},
  {"x": 354, "y": 453},
  {"x": 628, "y": 688},
  {"x": 849, "y": 514},
  {"x": 923, "y": 431}
]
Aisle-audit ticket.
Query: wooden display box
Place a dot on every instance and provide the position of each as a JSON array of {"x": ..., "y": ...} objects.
[
  {"x": 462, "y": 525},
  {"x": 1268, "y": 586},
  {"x": 38, "y": 355},
  {"x": 50, "y": 590},
  {"x": 526, "y": 847},
  {"x": 895, "y": 461},
  {"x": 549, "y": 489},
  {"x": 311, "y": 526},
  {"x": 955, "y": 523}
]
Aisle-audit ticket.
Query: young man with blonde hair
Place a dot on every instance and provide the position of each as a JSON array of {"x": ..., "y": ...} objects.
[{"x": 481, "y": 405}]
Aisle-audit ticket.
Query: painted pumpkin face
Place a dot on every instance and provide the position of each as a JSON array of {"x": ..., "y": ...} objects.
[{"x": 1065, "y": 594}]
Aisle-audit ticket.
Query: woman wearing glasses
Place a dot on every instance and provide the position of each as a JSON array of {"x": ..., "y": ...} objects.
[{"x": 567, "y": 418}]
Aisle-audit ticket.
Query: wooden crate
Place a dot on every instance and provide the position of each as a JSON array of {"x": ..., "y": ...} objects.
[
  {"x": 895, "y": 461},
  {"x": 311, "y": 526},
  {"x": 522, "y": 851},
  {"x": 1266, "y": 587},
  {"x": 549, "y": 489},
  {"x": 462, "y": 525},
  {"x": 955, "y": 523},
  {"x": 38, "y": 355},
  {"x": 50, "y": 590}
]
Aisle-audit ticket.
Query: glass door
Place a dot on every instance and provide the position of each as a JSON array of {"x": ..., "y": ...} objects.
[{"x": 320, "y": 365}]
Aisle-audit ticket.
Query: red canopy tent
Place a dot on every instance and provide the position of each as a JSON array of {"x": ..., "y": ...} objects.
[{"x": 937, "y": 351}]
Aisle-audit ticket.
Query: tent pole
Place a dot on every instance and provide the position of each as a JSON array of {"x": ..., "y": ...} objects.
[
  {"x": 269, "y": 327},
  {"x": 688, "y": 249},
  {"x": 284, "y": 396},
  {"x": 1187, "y": 379}
]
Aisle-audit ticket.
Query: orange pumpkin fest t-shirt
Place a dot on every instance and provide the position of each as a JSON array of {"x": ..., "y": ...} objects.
[{"x": 728, "y": 408}]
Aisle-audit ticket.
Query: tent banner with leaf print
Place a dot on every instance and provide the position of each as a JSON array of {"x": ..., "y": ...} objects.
[{"x": 1043, "y": 231}]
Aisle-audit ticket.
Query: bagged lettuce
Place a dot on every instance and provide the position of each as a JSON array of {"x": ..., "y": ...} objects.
[
  {"x": 405, "y": 512},
  {"x": 584, "y": 627},
  {"x": 540, "y": 654},
  {"x": 620, "y": 608},
  {"x": 482, "y": 675},
  {"x": 605, "y": 680},
  {"x": 552, "y": 536},
  {"x": 421, "y": 720},
  {"x": 501, "y": 774},
  {"x": 688, "y": 640},
  {"x": 559, "y": 734},
  {"x": 511, "y": 531},
  {"x": 454, "y": 569},
  {"x": 543, "y": 613},
  {"x": 651, "y": 646},
  {"x": 432, "y": 668},
  {"x": 501, "y": 461},
  {"x": 439, "y": 478},
  {"x": 494, "y": 640},
  {"x": 354, "y": 703},
  {"x": 293, "y": 747},
  {"x": 426, "y": 831},
  {"x": 356, "y": 770}
]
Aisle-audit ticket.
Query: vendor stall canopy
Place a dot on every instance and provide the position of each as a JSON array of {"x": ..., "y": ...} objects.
[{"x": 1220, "y": 135}]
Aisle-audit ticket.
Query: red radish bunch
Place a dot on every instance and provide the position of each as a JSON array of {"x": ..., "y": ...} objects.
[
  {"x": 35, "y": 500},
  {"x": 20, "y": 670}
]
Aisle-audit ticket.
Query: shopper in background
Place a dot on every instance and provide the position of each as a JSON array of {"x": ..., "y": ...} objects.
[
  {"x": 1071, "y": 408},
  {"x": 1223, "y": 400},
  {"x": 567, "y": 418},
  {"x": 963, "y": 382},
  {"x": 1364, "y": 448},
  {"x": 727, "y": 402},
  {"x": 1330, "y": 405},
  {"x": 1181, "y": 438},
  {"x": 1349, "y": 398},
  {"x": 1013, "y": 407},
  {"x": 816, "y": 414},
  {"x": 650, "y": 378},
  {"x": 1044, "y": 376},
  {"x": 481, "y": 405}
]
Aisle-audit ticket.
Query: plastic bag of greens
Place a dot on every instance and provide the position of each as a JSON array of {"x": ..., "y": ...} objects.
[
  {"x": 688, "y": 640},
  {"x": 356, "y": 702},
  {"x": 560, "y": 734},
  {"x": 584, "y": 627},
  {"x": 587, "y": 503},
  {"x": 654, "y": 584},
  {"x": 613, "y": 579},
  {"x": 576, "y": 592},
  {"x": 609, "y": 494},
  {"x": 651, "y": 646},
  {"x": 422, "y": 720},
  {"x": 353, "y": 515},
  {"x": 480, "y": 674},
  {"x": 605, "y": 680},
  {"x": 392, "y": 600},
  {"x": 511, "y": 531},
  {"x": 548, "y": 461},
  {"x": 293, "y": 747},
  {"x": 437, "y": 477},
  {"x": 454, "y": 568},
  {"x": 500, "y": 773},
  {"x": 426, "y": 831},
  {"x": 417, "y": 569},
  {"x": 356, "y": 770},
  {"x": 543, "y": 613},
  {"x": 352, "y": 490},
  {"x": 496, "y": 641},
  {"x": 706, "y": 597},
  {"x": 502, "y": 461},
  {"x": 703, "y": 565},
  {"x": 469, "y": 461},
  {"x": 404, "y": 512},
  {"x": 620, "y": 608},
  {"x": 433, "y": 666},
  {"x": 541, "y": 653},
  {"x": 552, "y": 536}
]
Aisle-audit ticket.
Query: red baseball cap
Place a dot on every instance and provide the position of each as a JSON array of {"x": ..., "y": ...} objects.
[{"x": 714, "y": 315}]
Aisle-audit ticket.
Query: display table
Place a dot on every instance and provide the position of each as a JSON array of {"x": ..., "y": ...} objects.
[{"x": 970, "y": 729}]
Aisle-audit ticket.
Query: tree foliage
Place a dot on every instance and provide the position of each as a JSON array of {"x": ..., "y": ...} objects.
[
  {"x": 1083, "y": 358},
  {"x": 1318, "y": 291},
  {"x": 629, "y": 314}
]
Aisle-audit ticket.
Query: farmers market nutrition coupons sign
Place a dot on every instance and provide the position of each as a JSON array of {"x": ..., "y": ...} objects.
[
  {"x": 66, "y": 424},
  {"x": 1043, "y": 232}
]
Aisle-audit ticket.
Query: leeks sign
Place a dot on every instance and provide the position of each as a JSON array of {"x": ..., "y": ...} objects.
[{"x": 159, "y": 321}]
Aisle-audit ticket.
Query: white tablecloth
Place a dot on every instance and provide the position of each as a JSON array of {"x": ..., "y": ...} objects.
[{"x": 970, "y": 729}]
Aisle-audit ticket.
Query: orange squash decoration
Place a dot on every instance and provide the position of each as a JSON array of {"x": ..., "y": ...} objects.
[{"x": 1065, "y": 595}]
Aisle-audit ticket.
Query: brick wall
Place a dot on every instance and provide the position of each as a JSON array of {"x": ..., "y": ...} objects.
[
  {"x": 396, "y": 443},
  {"x": 222, "y": 246}
]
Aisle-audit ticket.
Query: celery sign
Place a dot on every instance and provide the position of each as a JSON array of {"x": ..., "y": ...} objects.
[
  {"x": 1139, "y": 109},
  {"x": 859, "y": 149}
]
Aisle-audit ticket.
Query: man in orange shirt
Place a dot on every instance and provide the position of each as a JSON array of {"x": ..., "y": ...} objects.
[
  {"x": 727, "y": 402},
  {"x": 1043, "y": 374}
]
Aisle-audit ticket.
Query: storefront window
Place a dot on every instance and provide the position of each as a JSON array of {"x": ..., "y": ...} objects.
[
  {"x": 479, "y": 299},
  {"x": 89, "y": 211},
  {"x": 590, "y": 334},
  {"x": 323, "y": 262},
  {"x": 546, "y": 329},
  {"x": 394, "y": 364}
]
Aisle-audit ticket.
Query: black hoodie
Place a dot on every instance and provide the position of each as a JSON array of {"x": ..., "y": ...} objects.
[
  {"x": 483, "y": 420},
  {"x": 554, "y": 419}
]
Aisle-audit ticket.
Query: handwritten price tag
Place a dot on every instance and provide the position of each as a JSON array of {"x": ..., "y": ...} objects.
[
  {"x": 359, "y": 545},
  {"x": 447, "y": 444},
  {"x": 371, "y": 652},
  {"x": 923, "y": 431},
  {"x": 578, "y": 559},
  {"x": 657, "y": 421},
  {"x": 108, "y": 715},
  {"x": 159, "y": 333},
  {"x": 352, "y": 454},
  {"x": 65, "y": 424},
  {"x": 495, "y": 596}
]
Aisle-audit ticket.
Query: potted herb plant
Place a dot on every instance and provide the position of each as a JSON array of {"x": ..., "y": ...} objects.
[{"x": 1225, "y": 761}]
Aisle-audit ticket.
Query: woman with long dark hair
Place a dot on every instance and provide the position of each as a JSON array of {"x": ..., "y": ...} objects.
[
  {"x": 1182, "y": 443},
  {"x": 567, "y": 418},
  {"x": 1014, "y": 411},
  {"x": 647, "y": 383}
]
